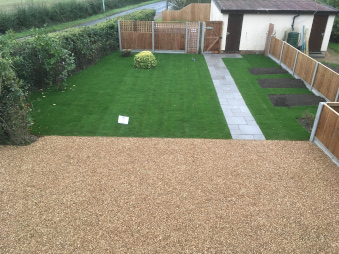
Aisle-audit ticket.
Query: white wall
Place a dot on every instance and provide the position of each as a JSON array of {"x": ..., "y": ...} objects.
[
  {"x": 327, "y": 34},
  {"x": 255, "y": 27},
  {"x": 216, "y": 15}
]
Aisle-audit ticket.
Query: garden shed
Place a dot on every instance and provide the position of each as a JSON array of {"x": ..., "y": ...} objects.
[{"x": 246, "y": 22}]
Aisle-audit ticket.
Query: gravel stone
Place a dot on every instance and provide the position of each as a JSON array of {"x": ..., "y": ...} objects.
[{"x": 150, "y": 195}]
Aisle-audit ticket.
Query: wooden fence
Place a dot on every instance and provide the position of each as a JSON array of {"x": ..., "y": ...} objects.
[
  {"x": 325, "y": 131},
  {"x": 316, "y": 75},
  {"x": 159, "y": 36},
  {"x": 192, "y": 12}
]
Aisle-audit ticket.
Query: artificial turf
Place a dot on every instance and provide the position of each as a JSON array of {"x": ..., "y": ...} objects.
[
  {"x": 177, "y": 99},
  {"x": 275, "y": 122}
]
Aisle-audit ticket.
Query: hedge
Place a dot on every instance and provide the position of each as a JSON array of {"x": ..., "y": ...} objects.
[
  {"x": 37, "y": 15},
  {"x": 48, "y": 59}
]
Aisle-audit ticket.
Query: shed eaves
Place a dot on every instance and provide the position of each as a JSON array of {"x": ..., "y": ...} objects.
[{"x": 273, "y": 6}]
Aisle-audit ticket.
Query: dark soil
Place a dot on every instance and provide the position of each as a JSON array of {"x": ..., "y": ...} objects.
[
  {"x": 267, "y": 70},
  {"x": 281, "y": 83},
  {"x": 290, "y": 100}
]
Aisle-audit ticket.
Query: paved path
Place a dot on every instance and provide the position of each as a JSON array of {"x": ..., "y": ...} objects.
[
  {"x": 238, "y": 117},
  {"x": 159, "y": 7}
]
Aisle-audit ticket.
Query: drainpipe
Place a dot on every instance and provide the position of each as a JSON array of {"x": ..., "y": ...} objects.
[{"x": 294, "y": 20}]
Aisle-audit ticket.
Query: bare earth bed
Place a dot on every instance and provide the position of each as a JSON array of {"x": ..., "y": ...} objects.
[{"x": 134, "y": 195}]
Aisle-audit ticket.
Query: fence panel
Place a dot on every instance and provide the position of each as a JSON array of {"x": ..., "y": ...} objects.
[
  {"x": 275, "y": 48},
  {"x": 169, "y": 36},
  {"x": 328, "y": 130},
  {"x": 305, "y": 67},
  {"x": 136, "y": 34},
  {"x": 288, "y": 56},
  {"x": 192, "y": 12},
  {"x": 326, "y": 82}
]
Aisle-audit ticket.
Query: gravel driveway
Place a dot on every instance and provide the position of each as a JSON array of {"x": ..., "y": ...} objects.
[{"x": 138, "y": 195}]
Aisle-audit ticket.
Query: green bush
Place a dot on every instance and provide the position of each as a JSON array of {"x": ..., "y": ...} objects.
[
  {"x": 37, "y": 15},
  {"x": 145, "y": 60},
  {"x": 14, "y": 118},
  {"x": 46, "y": 60}
]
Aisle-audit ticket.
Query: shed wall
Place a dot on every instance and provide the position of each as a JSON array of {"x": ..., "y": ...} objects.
[
  {"x": 327, "y": 34},
  {"x": 255, "y": 27}
]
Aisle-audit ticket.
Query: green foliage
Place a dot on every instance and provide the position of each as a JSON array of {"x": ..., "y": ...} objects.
[
  {"x": 179, "y": 4},
  {"x": 39, "y": 14},
  {"x": 14, "y": 119},
  {"x": 126, "y": 53},
  {"x": 145, "y": 60}
]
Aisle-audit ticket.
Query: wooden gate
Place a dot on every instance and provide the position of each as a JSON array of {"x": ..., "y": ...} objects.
[{"x": 213, "y": 32}]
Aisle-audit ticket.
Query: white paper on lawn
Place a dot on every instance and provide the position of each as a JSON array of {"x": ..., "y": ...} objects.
[{"x": 123, "y": 119}]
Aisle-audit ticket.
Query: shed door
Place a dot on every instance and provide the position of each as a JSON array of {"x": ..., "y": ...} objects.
[
  {"x": 233, "y": 32},
  {"x": 317, "y": 32}
]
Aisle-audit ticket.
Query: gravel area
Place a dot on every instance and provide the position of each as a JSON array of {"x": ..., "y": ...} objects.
[{"x": 135, "y": 195}]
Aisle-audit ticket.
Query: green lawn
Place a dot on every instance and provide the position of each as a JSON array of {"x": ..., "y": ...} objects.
[
  {"x": 275, "y": 122},
  {"x": 177, "y": 99}
]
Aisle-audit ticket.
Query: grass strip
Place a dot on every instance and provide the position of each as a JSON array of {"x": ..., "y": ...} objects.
[
  {"x": 276, "y": 123},
  {"x": 63, "y": 26},
  {"x": 177, "y": 99}
]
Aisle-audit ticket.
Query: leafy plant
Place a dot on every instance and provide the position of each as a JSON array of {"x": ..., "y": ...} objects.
[
  {"x": 179, "y": 4},
  {"x": 14, "y": 118},
  {"x": 145, "y": 60}
]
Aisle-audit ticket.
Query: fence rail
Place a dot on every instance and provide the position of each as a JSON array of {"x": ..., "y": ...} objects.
[
  {"x": 192, "y": 12},
  {"x": 325, "y": 131},
  {"x": 319, "y": 77}
]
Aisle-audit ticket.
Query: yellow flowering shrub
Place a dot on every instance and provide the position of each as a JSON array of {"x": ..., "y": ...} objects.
[{"x": 145, "y": 60}]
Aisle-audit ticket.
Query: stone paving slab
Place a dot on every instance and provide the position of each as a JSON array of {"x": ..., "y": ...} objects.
[{"x": 240, "y": 121}]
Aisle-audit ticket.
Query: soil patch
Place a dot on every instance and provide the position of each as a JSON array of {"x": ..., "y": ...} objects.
[
  {"x": 281, "y": 83},
  {"x": 290, "y": 100},
  {"x": 267, "y": 70}
]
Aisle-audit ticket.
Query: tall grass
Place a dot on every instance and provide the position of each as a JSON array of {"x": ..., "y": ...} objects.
[{"x": 38, "y": 14}]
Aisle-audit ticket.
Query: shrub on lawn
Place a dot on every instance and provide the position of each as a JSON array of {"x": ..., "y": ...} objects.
[
  {"x": 14, "y": 118},
  {"x": 145, "y": 60},
  {"x": 126, "y": 53}
]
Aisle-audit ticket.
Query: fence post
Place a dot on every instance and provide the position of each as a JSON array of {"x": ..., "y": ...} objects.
[
  {"x": 337, "y": 97},
  {"x": 119, "y": 30},
  {"x": 282, "y": 49},
  {"x": 314, "y": 74},
  {"x": 198, "y": 40},
  {"x": 316, "y": 121},
  {"x": 203, "y": 25},
  {"x": 152, "y": 36},
  {"x": 295, "y": 62},
  {"x": 186, "y": 40},
  {"x": 269, "y": 46}
]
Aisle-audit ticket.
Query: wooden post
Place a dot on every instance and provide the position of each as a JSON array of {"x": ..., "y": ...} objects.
[
  {"x": 119, "y": 31},
  {"x": 314, "y": 74},
  {"x": 268, "y": 39},
  {"x": 152, "y": 36}
]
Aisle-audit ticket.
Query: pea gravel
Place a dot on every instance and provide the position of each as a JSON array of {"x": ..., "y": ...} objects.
[{"x": 140, "y": 195}]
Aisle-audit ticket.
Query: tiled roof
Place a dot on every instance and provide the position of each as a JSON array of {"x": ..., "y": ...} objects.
[{"x": 273, "y": 6}]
